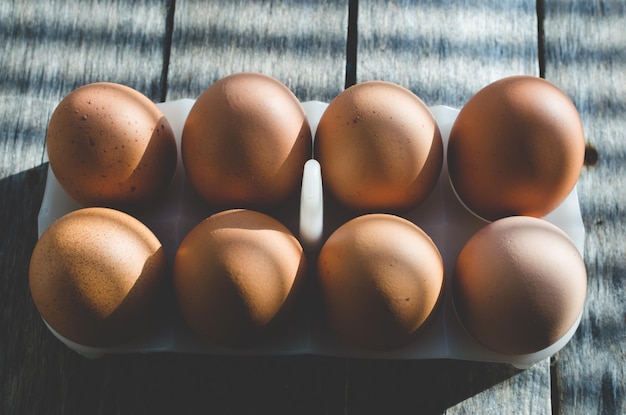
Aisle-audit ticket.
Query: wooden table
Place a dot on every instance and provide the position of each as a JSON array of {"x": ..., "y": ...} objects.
[{"x": 444, "y": 52}]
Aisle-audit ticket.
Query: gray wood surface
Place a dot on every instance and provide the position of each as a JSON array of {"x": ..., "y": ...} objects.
[
  {"x": 444, "y": 55},
  {"x": 300, "y": 43},
  {"x": 444, "y": 51},
  {"x": 586, "y": 57},
  {"x": 46, "y": 50}
]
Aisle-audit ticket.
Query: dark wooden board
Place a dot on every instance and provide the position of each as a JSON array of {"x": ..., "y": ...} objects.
[
  {"x": 585, "y": 45},
  {"x": 444, "y": 55},
  {"x": 48, "y": 49}
]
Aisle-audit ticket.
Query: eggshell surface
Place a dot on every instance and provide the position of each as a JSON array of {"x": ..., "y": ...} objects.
[
  {"x": 381, "y": 278},
  {"x": 109, "y": 145},
  {"x": 245, "y": 142},
  {"x": 308, "y": 334},
  {"x": 519, "y": 285},
  {"x": 379, "y": 148},
  {"x": 236, "y": 274},
  {"x": 516, "y": 148},
  {"x": 96, "y": 276}
]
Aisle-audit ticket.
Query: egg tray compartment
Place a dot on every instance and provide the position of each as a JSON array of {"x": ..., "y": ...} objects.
[{"x": 442, "y": 216}]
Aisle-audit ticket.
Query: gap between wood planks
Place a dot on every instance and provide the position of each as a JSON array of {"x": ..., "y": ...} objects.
[
  {"x": 351, "y": 46},
  {"x": 555, "y": 387},
  {"x": 167, "y": 50},
  {"x": 352, "y": 42}
]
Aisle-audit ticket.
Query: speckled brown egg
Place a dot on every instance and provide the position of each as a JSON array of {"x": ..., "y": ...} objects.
[
  {"x": 96, "y": 276},
  {"x": 379, "y": 148},
  {"x": 237, "y": 275},
  {"x": 516, "y": 148},
  {"x": 519, "y": 285},
  {"x": 245, "y": 142},
  {"x": 109, "y": 145},
  {"x": 381, "y": 279}
]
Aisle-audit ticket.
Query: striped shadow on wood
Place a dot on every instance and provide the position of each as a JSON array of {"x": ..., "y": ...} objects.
[
  {"x": 586, "y": 57},
  {"x": 301, "y": 43},
  {"x": 445, "y": 52}
]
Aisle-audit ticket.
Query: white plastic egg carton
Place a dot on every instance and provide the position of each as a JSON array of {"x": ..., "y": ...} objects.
[{"x": 441, "y": 216}]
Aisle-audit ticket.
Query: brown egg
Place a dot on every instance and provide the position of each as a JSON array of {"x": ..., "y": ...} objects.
[
  {"x": 379, "y": 147},
  {"x": 237, "y": 275},
  {"x": 381, "y": 278},
  {"x": 516, "y": 148},
  {"x": 245, "y": 142},
  {"x": 109, "y": 145},
  {"x": 519, "y": 285},
  {"x": 96, "y": 276}
]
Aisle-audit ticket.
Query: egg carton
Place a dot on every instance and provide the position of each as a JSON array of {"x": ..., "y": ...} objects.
[{"x": 442, "y": 216}]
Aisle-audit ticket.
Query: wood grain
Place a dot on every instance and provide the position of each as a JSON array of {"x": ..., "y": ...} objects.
[
  {"x": 445, "y": 54},
  {"x": 586, "y": 57},
  {"x": 46, "y": 50},
  {"x": 302, "y": 44},
  {"x": 444, "y": 51}
]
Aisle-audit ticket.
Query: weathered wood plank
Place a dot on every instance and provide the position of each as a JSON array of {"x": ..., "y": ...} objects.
[
  {"x": 586, "y": 57},
  {"x": 443, "y": 386},
  {"x": 302, "y": 44},
  {"x": 445, "y": 52},
  {"x": 47, "y": 49}
]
